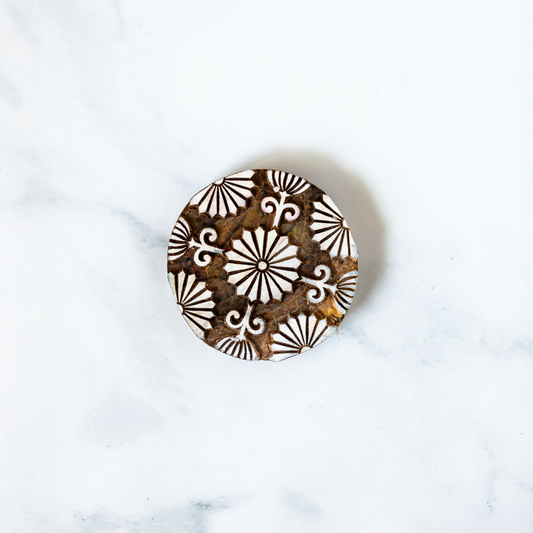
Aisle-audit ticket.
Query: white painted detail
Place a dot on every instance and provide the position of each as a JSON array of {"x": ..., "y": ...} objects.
[
  {"x": 239, "y": 346},
  {"x": 318, "y": 293},
  {"x": 207, "y": 237},
  {"x": 331, "y": 230},
  {"x": 181, "y": 240},
  {"x": 255, "y": 326},
  {"x": 241, "y": 349},
  {"x": 343, "y": 291},
  {"x": 226, "y": 195},
  {"x": 299, "y": 335},
  {"x": 246, "y": 265},
  {"x": 194, "y": 301},
  {"x": 262, "y": 265},
  {"x": 287, "y": 185}
]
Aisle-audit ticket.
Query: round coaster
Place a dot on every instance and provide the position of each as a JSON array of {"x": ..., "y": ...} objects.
[{"x": 262, "y": 265}]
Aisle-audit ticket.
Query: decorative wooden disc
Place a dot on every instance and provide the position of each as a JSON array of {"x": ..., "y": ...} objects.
[{"x": 262, "y": 265}]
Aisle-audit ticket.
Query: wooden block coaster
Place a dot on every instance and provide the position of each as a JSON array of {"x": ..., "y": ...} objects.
[{"x": 262, "y": 265}]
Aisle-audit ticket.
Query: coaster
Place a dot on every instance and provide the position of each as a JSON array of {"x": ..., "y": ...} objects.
[{"x": 262, "y": 265}]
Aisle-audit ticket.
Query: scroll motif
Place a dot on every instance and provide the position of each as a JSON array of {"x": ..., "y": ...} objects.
[
  {"x": 343, "y": 291},
  {"x": 181, "y": 240},
  {"x": 287, "y": 185},
  {"x": 239, "y": 346}
]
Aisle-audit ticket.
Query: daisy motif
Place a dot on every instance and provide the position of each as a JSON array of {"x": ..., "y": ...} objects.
[
  {"x": 287, "y": 183},
  {"x": 194, "y": 301},
  {"x": 179, "y": 240},
  {"x": 299, "y": 335},
  {"x": 331, "y": 230},
  {"x": 262, "y": 265},
  {"x": 345, "y": 291},
  {"x": 225, "y": 195},
  {"x": 239, "y": 348}
]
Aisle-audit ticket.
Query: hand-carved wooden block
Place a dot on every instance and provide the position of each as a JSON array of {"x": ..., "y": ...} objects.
[{"x": 262, "y": 265}]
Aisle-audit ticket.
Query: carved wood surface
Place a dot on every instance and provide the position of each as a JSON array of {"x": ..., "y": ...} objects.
[{"x": 262, "y": 265}]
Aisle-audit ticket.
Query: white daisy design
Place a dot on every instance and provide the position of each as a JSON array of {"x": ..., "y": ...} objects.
[
  {"x": 225, "y": 195},
  {"x": 286, "y": 185},
  {"x": 299, "y": 335},
  {"x": 345, "y": 291},
  {"x": 194, "y": 301},
  {"x": 239, "y": 346},
  {"x": 181, "y": 240},
  {"x": 262, "y": 265},
  {"x": 331, "y": 230}
]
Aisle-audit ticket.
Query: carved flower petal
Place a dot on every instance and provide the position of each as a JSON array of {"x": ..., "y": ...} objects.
[
  {"x": 271, "y": 257},
  {"x": 299, "y": 335},
  {"x": 226, "y": 195},
  {"x": 194, "y": 301}
]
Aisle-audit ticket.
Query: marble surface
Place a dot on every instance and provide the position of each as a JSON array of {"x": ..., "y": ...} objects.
[{"x": 416, "y": 416}]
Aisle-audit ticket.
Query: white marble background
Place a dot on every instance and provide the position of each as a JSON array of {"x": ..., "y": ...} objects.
[{"x": 416, "y": 117}]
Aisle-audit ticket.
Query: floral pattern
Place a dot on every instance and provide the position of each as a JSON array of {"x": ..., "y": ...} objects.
[
  {"x": 194, "y": 301},
  {"x": 263, "y": 225},
  {"x": 239, "y": 346},
  {"x": 299, "y": 335},
  {"x": 317, "y": 294},
  {"x": 331, "y": 230},
  {"x": 262, "y": 265},
  {"x": 225, "y": 195},
  {"x": 343, "y": 291},
  {"x": 181, "y": 240},
  {"x": 287, "y": 185}
]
